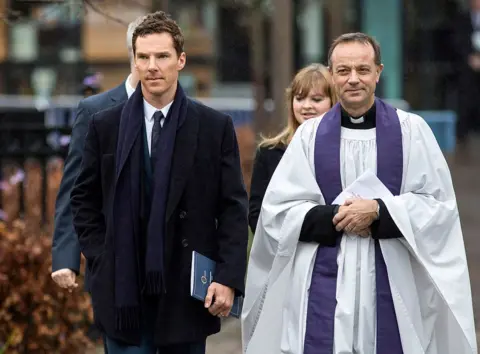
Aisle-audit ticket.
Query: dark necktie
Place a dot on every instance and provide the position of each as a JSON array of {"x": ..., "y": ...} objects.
[{"x": 157, "y": 127}]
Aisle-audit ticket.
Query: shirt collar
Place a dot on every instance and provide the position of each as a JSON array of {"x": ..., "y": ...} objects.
[
  {"x": 149, "y": 110},
  {"x": 367, "y": 120},
  {"x": 128, "y": 87}
]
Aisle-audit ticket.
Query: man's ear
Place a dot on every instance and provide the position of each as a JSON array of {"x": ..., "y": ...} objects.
[
  {"x": 379, "y": 71},
  {"x": 182, "y": 60}
]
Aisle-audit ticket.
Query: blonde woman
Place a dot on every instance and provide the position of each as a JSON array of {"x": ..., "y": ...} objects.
[{"x": 309, "y": 95}]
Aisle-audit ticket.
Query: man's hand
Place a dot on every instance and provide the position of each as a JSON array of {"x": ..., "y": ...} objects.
[
  {"x": 219, "y": 299},
  {"x": 65, "y": 278},
  {"x": 356, "y": 216}
]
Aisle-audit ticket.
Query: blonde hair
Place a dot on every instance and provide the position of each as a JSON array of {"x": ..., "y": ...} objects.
[{"x": 313, "y": 75}]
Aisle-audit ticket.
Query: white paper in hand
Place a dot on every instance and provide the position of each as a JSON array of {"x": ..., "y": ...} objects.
[{"x": 367, "y": 186}]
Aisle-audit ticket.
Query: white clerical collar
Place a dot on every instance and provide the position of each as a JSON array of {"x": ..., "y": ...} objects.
[
  {"x": 149, "y": 110},
  {"x": 358, "y": 120}
]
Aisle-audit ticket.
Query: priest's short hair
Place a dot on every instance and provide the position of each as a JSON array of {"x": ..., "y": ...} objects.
[{"x": 356, "y": 37}]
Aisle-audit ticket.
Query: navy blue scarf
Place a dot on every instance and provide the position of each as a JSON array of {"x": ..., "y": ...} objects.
[
  {"x": 126, "y": 208},
  {"x": 319, "y": 336}
]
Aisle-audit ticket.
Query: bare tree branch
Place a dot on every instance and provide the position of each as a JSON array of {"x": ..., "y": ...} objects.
[
  {"x": 10, "y": 16},
  {"x": 98, "y": 10}
]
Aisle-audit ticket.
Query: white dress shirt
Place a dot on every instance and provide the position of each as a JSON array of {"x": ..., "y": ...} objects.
[
  {"x": 149, "y": 111},
  {"x": 128, "y": 87}
]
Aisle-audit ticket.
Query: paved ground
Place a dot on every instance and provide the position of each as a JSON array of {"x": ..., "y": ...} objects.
[
  {"x": 228, "y": 341},
  {"x": 466, "y": 178}
]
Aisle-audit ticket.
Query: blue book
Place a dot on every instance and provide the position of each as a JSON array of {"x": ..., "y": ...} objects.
[{"x": 201, "y": 277}]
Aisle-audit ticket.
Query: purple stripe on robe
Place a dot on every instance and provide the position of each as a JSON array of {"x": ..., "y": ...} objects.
[{"x": 319, "y": 336}]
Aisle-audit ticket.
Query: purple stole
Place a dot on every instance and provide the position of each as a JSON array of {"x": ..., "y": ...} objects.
[{"x": 319, "y": 336}]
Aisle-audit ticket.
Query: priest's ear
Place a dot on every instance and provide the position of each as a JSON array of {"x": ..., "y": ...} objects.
[{"x": 379, "y": 71}]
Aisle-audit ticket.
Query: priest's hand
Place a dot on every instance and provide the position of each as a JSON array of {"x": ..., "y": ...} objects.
[
  {"x": 219, "y": 299},
  {"x": 356, "y": 216},
  {"x": 365, "y": 232}
]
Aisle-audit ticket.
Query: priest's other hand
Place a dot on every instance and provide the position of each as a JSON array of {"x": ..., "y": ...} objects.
[
  {"x": 219, "y": 299},
  {"x": 355, "y": 216},
  {"x": 65, "y": 278}
]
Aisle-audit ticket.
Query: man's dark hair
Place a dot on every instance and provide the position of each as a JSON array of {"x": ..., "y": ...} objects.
[
  {"x": 356, "y": 37},
  {"x": 159, "y": 22}
]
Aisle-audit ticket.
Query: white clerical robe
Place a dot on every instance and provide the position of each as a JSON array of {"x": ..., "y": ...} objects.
[{"x": 427, "y": 269}]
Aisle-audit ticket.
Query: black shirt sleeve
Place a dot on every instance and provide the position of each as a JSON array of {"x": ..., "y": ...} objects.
[
  {"x": 318, "y": 226},
  {"x": 384, "y": 227}
]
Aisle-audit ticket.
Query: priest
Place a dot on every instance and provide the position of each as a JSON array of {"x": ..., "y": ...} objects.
[{"x": 384, "y": 275}]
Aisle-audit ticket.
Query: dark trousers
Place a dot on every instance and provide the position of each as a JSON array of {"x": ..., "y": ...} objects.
[
  {"x": 149, "y": 311},
  {"x": 147, "y": 347}
]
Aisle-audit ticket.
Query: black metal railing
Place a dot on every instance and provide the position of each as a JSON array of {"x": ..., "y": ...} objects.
[{"x": 27, "y": 132}]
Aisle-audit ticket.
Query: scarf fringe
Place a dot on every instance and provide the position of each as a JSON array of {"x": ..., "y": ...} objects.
[
  {"x": 154, "y": 283},
  {"x": 127, "y": 318}
]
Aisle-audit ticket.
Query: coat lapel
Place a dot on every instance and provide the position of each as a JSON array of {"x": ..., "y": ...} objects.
[{"x": 183, "y": 158}]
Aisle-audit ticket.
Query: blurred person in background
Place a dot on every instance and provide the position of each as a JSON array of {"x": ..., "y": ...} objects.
[
  {"x": 382, "y": 269},
  {"x": 467, "y": 51},
  {"x": 91, "y": 85},
  {"x": 309, "y": 95},
  {"x": 160, "y": 178},
  {"x": 65, "y": 246}
]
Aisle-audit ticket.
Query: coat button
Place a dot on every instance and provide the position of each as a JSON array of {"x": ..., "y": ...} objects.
[
  {"x": 185, "y": 243},
  {"x": 182, "y": 214}
]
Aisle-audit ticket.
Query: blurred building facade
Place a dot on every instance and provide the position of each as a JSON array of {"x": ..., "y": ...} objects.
[{"x": 52, "y": 44}]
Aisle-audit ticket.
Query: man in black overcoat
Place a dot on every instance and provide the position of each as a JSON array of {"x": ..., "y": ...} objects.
[{"x": 160, "y": 178}]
